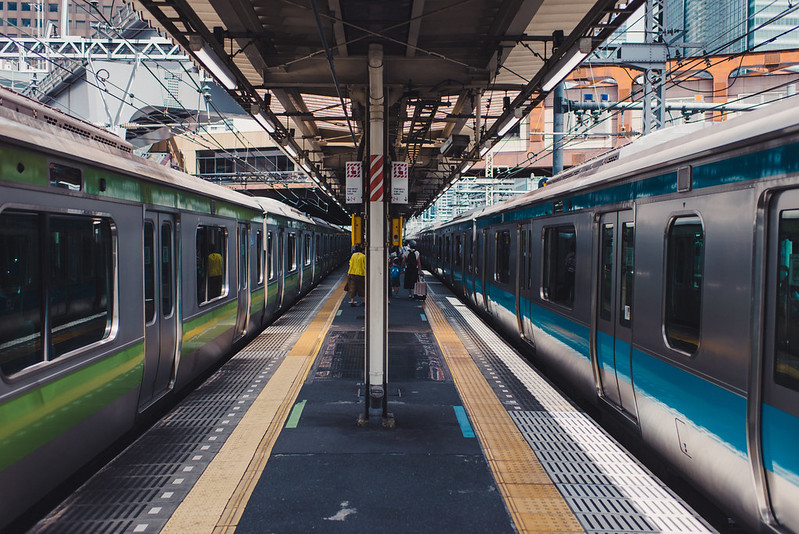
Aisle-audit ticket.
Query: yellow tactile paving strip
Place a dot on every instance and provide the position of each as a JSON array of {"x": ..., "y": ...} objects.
[
  {"x": 235, "y": 470},
  {"x": 534, "y": 502}
]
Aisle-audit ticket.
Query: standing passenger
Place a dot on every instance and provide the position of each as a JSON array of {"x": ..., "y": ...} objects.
[
  {"x": 357, "y": 275},
  {"x": 413, "y": 267},
  {"x": 215, "y": 273}
]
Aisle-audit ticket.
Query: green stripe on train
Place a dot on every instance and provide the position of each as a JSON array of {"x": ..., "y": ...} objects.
[
  {"x": 37, "y": 417},
  {"x": 34, "y": 167},
  {"x": 35, "y": 171},
  {"x": 257, "y": 301},
  {"x": 206, "y": 328}
]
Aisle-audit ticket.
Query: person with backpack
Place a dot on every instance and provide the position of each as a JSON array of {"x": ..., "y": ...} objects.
[
  {"x": 413, "y": 267},
  {"x": 394, "y": 275}
]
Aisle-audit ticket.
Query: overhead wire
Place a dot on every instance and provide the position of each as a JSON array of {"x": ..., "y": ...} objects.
[
  {"x": 572, "y": 137},
  {"x": 121, "y": 99},
  {"x": 234, "y": 156}
]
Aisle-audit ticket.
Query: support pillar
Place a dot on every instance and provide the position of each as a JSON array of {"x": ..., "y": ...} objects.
[
  {"x": 376, "y": 360},
  {"x": 558, "y": 125}
]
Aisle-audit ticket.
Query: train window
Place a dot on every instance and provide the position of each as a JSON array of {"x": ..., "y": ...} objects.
[
  {"x": 78, "y": 286},
  {"x": 627, "y": 273},
  {"x": 20, "y": 292},
  {"x": 306, "y": 259},
  {"x": 786, "y": 363},
  {"x": 525, "y": 258},
  {"x": 259, "y": 250},
  {"x": 529, "y": 252},
  {"x": 243, "y": 247},
  {"x": 458, "y": 250},
  {"x": 502, "y": 258},
  {"x": 560, "y": 265},
  {"x": 291, "y": 250},
  {"x": 66, "y": 177},
  {"x": 80, "y": 282},
  {"x": 166, "y": 269},
  {"x": 606, "y": 248},
  {"x": 149, "y": 272},
  {"x": 684, "y": 273},
  {"x": 318, "y": 248},
  {"x": 469, "y": 252},
  {"x": 211, "y": 263},
  {"x": 270, "y": 255}
]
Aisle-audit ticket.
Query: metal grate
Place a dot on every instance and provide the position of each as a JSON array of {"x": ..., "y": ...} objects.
[
  {"x": 342, "y": 356},
  {"x": 607, "y": 489},
  {"x": 142, "y": 487}
]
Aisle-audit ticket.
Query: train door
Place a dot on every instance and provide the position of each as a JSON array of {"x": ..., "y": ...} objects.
[
  {"x": 779, "y": 406},
  {"x": 483, "y": 253},
  {"x": 519, "y": 265},
  {"x": 525, "y": 283},
  {"x": 269, "y": 267},
  {"x": 281, "y": 268},
  {"x": 243, "y": 277},
  {"x": 160, "y": 307},
  {"x": 613, "y": 335},
  {"x": 302, "y": 258}
]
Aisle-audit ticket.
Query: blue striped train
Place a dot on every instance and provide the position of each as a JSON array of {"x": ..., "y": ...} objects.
[
  {"x": 660, "y": 280},
  {"x": 121, "y": 281}
]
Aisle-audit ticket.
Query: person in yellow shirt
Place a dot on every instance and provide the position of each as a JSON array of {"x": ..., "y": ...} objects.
[
  {"x": 215, "y": 272},
  {"x": 357, "y": 275}
]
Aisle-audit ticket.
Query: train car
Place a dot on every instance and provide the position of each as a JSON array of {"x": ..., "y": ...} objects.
[
  {"x": 121, "y": 281},
  {"x": 661, "y": 281}
]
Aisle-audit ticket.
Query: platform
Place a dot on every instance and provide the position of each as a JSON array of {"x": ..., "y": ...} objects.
[{"x": 270, "y": 443}]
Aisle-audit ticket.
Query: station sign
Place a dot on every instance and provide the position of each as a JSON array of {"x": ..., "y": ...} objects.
[
  {"x": 354, "y": 183},
  {"x": 399, "y": 182}
]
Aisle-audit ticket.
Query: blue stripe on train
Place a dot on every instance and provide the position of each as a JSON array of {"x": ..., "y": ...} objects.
[
  {"x": 780, "y": 438},
  {"x": 706, "y": 406}
]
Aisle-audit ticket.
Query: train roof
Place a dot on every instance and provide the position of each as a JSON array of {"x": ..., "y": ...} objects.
[
  {"x": 669, "y": 145},
  {"x": 29, "y": 123}
]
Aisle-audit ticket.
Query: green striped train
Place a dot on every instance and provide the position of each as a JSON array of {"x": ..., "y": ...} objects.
[
  {"x": 120, "y": 282},
  {"x": 660, "y": 281}
]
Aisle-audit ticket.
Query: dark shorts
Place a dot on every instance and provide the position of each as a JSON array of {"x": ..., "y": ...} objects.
[{"x": 357, "y": 285}]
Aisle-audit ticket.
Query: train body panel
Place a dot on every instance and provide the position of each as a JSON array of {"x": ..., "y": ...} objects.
[
  {"x": 662, "y": 281},
  {"x": 121, "y": 281}
]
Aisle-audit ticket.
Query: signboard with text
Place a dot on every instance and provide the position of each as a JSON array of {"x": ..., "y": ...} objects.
[
  {"x": 399, "y": 182},
  {"x": 354, "y": 182}
]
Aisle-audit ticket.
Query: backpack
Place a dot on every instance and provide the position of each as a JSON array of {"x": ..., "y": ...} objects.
[{"x": 395, "y": 271}]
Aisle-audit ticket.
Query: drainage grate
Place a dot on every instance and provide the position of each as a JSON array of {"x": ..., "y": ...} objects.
[
  {"x": 341, "y": 357},
  {"x": 606, "y": 488},
  {"x": 142, "y": 487}
]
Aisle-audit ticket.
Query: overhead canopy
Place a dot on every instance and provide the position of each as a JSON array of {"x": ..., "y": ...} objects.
[{"x": 450, "y": 67}]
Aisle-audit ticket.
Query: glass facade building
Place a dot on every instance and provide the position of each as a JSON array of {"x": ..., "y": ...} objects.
[{"x": 730, "y": 26}]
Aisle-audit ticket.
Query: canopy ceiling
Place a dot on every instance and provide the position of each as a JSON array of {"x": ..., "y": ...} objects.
[{"x": 450, "y": 67}]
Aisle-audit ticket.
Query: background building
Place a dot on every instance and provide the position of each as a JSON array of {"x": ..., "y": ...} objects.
[{"x": 41, "y": 18}]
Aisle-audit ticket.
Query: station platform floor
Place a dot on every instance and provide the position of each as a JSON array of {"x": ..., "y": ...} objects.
[{"x": 270, "y": 443}]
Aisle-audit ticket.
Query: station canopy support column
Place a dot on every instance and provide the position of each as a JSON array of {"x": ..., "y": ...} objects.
[{"x": 376, "y": 360}]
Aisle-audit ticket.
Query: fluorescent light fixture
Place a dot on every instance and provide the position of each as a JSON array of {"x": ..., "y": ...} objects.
[
  {"x": 306, "y": 166},
  {"x": 212, "y": 63},
  {"x": 576, "y": 54},
  {"x": 508, "y": 125},
  {"x": 467, "y": 167},
  {"x": 485, "y": 149},
  {"x": 261, "y": 118},
  {"x": 291, "y": 150}
]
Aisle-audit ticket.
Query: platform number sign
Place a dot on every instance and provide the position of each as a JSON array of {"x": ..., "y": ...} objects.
[
  {"x": 399, "y": 182},
  {"x": 354, "y": 178}
]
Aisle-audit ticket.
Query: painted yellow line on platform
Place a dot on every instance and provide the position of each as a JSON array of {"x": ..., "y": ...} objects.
[
  {"x": 535, "y": 504},
  {"x": 217, "y": 501}
]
